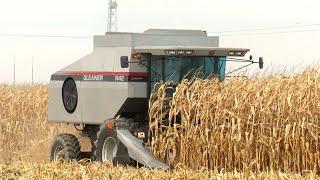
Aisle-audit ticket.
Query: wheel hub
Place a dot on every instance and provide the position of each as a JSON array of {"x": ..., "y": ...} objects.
[
  {"x": 59, "y": 154},
  {"x": 109, "y": 150}
]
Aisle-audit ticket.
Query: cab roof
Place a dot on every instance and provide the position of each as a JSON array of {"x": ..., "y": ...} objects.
[{"x": 157, "y": 37}]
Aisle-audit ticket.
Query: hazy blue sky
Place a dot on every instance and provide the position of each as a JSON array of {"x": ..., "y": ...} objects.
[{"x": 84, "y": 17}]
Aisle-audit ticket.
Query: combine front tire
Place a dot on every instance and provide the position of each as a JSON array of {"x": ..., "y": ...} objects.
[
  {"x": 65, "y": 147},
  {"x": 108, "y": 148}
]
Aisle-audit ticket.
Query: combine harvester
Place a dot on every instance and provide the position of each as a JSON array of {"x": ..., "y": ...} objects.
[{"x": 107, "y": 91}]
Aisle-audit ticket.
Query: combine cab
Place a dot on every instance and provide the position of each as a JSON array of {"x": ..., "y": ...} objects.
[{"x": 107, "y": 91}]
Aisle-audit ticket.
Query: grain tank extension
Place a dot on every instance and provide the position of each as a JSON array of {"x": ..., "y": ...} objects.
[{"x": 107, "y": 91}]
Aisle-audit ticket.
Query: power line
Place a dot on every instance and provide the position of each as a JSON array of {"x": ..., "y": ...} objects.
[
  {"x": 264, "y": 28},
  {"x": 270, "y": 33},
  {"x": 43, "y": 36},
  {"x": 221, "y": 33}
]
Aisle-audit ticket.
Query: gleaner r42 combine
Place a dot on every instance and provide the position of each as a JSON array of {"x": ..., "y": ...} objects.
[{"x": 108, "y": 90}]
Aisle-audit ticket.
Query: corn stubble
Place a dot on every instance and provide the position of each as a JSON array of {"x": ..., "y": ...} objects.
[
  {"x": 259, "y": 124},
  {"x": 105, "y": 171}
]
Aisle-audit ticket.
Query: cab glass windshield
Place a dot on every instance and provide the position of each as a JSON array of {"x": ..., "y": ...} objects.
[{"x": 177, "y": 68}]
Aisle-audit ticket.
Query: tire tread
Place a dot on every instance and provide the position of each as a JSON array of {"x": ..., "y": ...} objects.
[{"x": 71, "y": 146}]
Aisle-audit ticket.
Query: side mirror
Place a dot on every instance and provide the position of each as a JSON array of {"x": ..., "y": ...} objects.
[
  {"x": 261, "y": 62},
  {"x": 124, "y": 60}
]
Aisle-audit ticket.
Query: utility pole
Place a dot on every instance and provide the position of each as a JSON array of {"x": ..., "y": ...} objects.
[
  {"x": 14, "y": 70},
  {"x": 112, "y": 16}
]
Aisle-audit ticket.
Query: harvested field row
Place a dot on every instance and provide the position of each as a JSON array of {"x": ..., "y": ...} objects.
[{"x": 100, "y": 171}]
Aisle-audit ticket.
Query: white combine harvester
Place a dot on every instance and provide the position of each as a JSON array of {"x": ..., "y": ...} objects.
[{"x": 107, "y": 91}]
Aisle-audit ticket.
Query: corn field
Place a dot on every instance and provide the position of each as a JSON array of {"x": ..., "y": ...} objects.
[
  {"x": 242, "y": 128},
  {"x": 259, "y": 124},
  {"x": 24, "y": 132}
]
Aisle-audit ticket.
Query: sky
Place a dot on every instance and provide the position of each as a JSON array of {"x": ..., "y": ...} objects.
[{"x": 292, "y": 47}]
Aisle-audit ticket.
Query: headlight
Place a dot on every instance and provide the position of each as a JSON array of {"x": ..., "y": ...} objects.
[
  {"x": 239, "y": 53},
  {"x": 181, "y": 53},
  {"x": 189, "y": 53},
  {"x": 171, "y": 52},
  {"x": 231, "y": 53}
]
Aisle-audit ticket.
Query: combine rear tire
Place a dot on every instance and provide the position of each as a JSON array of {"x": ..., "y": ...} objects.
[{"x": 65, "y": 147}]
